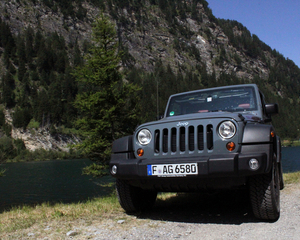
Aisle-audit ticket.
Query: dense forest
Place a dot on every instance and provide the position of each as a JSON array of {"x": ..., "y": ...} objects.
[{"x": 39, "y": 88}]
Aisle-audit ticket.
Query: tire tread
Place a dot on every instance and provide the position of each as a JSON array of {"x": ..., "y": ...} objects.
[
  {"x": 133, "y": 199},
  {"x": 263, "y": 197}
]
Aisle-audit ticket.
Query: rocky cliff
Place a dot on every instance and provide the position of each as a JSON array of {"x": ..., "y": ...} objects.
[
  {"x": 23, "y": 14},
  {"x": 146, "y": 34},
  {"x": 37, "y": 138},
  {"x": 154, "y": 41},
  {"x": 181, "y": 34}
]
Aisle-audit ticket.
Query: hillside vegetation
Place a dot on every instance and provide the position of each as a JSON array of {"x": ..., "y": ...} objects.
[{"x": 168, "y": 46}]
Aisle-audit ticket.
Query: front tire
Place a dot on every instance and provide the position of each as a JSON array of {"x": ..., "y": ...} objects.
[
  {"x": 281, "y": 176},
  {"x": 265, "y": 194},
  {"x": 133, "y": 199}
]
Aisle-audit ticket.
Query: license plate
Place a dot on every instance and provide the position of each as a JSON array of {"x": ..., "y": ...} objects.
[{"x": 172, "y": 170}]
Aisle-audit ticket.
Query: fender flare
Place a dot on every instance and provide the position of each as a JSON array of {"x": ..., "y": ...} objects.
[
  {"x": 123, "y": 145},
  {"x": 279, "y": 162},
  {"x": 257, "y": 133},
  {"x": 278, "y": 149}
]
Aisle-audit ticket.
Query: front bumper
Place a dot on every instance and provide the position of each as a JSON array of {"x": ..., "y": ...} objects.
[{"x": 223, "y": 165}]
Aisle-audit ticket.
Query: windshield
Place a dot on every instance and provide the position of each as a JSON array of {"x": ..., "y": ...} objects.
[{"x": 239, "y": 99}]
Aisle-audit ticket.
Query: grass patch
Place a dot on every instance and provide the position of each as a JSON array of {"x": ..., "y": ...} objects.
[
  {"x": 290, "y": 178},
  {"x": 27, "y": 216},
  {"x": 290, "y": 143}
]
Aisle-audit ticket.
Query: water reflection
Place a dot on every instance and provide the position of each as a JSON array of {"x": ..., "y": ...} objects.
[{"x": 50, "y": 181}]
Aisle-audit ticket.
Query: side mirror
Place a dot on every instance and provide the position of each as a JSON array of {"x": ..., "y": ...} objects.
[{"x": 271, "y": 108}]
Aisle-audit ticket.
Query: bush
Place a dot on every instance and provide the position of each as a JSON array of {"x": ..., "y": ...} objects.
[
  {"x": 2, "y": 171},
  {"x": 19, "y": 145},
  {"x": 44, "y": 155},
  {"x": 21, "y": 118},
  {"x": 96, "y": 170},
  {"x": 2, "y": 118},
  {"x": 7, "y": 129},
  {"x": 7, "y": 150},
  {"x": 33, "y": 124}
]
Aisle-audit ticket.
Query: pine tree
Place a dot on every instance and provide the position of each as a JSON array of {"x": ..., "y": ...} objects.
[
  {"x": 55, "y": 101},
  {"x": 29, "y": 35},
  {"x": 106, "y": 102},
  {"x": 77, "y": 61},
  {"x": 8, "y": 85}
]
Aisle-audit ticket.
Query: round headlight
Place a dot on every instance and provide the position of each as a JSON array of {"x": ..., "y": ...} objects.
[
  {"x": 144, "y": 136},
  {"x": 227, "y": 129}
]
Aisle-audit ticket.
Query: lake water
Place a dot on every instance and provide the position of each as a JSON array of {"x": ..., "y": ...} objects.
[
  {"x": 50, "y": 181},
  {"x": 62, "y": 181},
  {"x": 290, "y": 159}
]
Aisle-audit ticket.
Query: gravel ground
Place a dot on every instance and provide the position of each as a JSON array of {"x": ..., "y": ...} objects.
[
  {"x": 225, "y": 215},
  {"x": 222, "y": 215}
]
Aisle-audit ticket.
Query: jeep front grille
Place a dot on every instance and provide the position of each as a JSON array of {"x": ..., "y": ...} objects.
[{"x": 183, "y": 139}]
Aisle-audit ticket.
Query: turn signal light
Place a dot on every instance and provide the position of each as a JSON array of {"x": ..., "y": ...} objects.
[
  {"x": 140, "y": 152},
  {"x": 230, "y": 146},
  {"x": 272, "y": 134}
]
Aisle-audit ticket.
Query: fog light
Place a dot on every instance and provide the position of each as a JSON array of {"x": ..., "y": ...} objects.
[
  {"x": 254, "y": 164},
  {"x": 114, "y": 170},
  {"x": 140, "y": 152},
  {"x": 230, "y": 146}
]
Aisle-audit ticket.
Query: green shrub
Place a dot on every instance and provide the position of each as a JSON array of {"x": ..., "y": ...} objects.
[
  {"x": 2, "y": 118},
  {"x": 96, "y": 170},
  {"x": 7, "y": 150},
  {"x": 19, "y": 145},
  {"x": 21, "y": 118},
  {"x": 33, "y": 124},
  {"x": 44, "y": 155},
  {"x": 7, "y": 129},
  {"x": 2, "y": 171}
]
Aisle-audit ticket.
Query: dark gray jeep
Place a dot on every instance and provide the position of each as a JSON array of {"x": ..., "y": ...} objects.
[{"x": 208, "y": 139}]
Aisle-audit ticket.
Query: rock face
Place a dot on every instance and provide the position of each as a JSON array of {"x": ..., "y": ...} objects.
[
  {"x": 154, "y": 41},
  {"x": 147, "y": 40},
  {"x": 148, "y": 37},
  {"x": 41, "y": 138},
  {"x": 23, "y": 14}
]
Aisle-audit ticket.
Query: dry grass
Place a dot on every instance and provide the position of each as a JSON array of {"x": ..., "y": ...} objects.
[
  {"x": 18, "y": 221},
  {"x": 291, "y": 177},
  {"x": 27, "y": 216}
]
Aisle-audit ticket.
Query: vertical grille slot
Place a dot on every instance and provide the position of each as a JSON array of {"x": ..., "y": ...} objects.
[
  {"x": 165, "y": 140},
  {"x": 185, "y": 139},
  {"x": 191, "y": 138},
  {"x": 200, "y": 138},
  {"x": 182, "y": 139},
  {"x": 156, "y": 141},
  {"x": 173, "y": 139},
  {"x": 209, "y": 137}
]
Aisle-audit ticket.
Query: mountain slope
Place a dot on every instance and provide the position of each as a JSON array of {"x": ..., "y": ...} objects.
[{"x": 171, "y": 45}]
